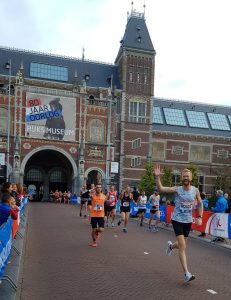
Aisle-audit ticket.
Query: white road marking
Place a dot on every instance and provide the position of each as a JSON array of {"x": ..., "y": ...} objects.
[
  {"x": 115, "y": 235},
  {"x": 211, "y": 291},
  {"x": 146, "y": 253}
]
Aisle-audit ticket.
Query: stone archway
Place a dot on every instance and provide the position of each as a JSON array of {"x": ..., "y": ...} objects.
[
  {"x": 58, "y": 167},
  {"x": 95, "y": 175}
]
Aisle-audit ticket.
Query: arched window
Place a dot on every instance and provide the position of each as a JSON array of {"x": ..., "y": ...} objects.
[
  {"x": 96, "y": 131},
  {"x": 3, "y": 120},
  {"x": 34, "y": 175},
  {"x": 57, "y": 176}
]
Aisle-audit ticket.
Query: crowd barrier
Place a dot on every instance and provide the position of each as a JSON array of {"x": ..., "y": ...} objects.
[
  {"x": 7, "y": 233},
  {"x": 215, "y": 224}
]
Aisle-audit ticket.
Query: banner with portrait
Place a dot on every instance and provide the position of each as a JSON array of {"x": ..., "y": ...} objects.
[{"x": 50, "y": 117}]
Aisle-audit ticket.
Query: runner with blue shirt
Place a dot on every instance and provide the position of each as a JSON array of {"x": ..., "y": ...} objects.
[{"x": 185, "y": 197}]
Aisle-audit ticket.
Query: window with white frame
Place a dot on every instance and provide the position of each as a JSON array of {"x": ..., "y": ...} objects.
[
  {"x": 130, "y": 77},
  {"x": 137, "y": 112},
  {"x": 138, "y": 77},
  {"x": 136, "y": 143},
  {"x": 136, "y": 161}
]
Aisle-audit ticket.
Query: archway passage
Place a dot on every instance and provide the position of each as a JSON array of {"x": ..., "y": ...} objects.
[
  {"x": 94, "y": 177},
  {"x": 48, "y": 170}
]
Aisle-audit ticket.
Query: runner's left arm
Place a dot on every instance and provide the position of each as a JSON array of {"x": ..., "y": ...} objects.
[{"x": 200, "y": 207}]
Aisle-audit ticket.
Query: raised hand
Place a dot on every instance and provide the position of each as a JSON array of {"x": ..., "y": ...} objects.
[{"x": 157, "y": 170}]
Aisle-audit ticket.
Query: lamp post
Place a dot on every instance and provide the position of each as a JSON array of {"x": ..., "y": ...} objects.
[{"x": 8, "y": 66}]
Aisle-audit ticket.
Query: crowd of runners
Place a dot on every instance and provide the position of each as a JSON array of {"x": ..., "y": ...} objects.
[{"x": 100, "y": 209}]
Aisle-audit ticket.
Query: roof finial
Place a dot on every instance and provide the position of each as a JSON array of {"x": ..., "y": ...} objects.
[
  {"x": 83, "y": 53},
  {"x": 144, "y": 8},
  {"x": 132, "y": 7}
]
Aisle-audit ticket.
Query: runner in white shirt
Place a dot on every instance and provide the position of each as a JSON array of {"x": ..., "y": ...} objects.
[
  {"x": 154, "y": 201},
  {"x": 142, "y": 202},
  {"x": 185, "y": 197}
]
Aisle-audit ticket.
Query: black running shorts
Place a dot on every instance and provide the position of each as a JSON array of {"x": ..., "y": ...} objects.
[
  {"x": 97, "y": 222},
  {"x": 181, "y": 228},
  {"x": 141, "y": 210}
]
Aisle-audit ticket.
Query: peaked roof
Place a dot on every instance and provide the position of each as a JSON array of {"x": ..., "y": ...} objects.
[
  {"x": 136, "y": 36},
  {"x": 98, "y": 72}
]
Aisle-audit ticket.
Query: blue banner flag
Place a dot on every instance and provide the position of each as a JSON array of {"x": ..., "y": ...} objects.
[{"x": 5, "y": 244}]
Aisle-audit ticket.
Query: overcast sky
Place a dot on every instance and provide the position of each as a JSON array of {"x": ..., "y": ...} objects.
[{"x": 191, "y": 38}]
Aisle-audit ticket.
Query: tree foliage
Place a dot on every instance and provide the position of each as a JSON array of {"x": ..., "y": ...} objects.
[{"x": 147, "y": 182}]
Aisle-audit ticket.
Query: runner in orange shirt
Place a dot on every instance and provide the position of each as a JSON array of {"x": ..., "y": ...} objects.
[{"x": 97, "y": 213}]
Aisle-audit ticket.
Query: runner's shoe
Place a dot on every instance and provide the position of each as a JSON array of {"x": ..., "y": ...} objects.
[
  {"x": 112, "y": 225},
  {"x": 189, "y": 277},
  {"x": 125, "y": 230},
  {"x": 119, "y": 223},
  {"x": 169, "y": 249},
  {"x": 94, "y": 244}
]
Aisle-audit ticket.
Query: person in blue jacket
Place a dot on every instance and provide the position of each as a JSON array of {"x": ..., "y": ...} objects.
[
  {"x": 221, "y": 204},
  {"x": 220, "y": 207}
]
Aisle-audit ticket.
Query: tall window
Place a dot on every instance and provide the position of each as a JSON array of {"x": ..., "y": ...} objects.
[
  {"x": 3, "y": 120},
  {"x": 136, "y": 143},
  {"x": 136, "y": 161},
  {"x": 137, "y": 112}
]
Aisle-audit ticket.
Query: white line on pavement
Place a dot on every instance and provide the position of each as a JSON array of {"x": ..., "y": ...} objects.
[
  {"x": 211, "y": 291},
  {"x": 146, "y": 253},
  {"x": 115, "y": 235}
]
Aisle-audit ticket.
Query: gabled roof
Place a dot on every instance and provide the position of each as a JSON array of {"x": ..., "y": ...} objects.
[
  {"x": 136, "y": 36},
  {"x": 98, "y": 72},
  {"x": 191, "y": 118}
]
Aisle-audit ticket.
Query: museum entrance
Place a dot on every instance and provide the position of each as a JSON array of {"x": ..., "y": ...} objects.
[{"x": 46, "y": 171}]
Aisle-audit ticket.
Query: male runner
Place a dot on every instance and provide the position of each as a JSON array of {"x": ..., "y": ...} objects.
[
  {"x": 97, "y": 213},
  {"x": 185, "y": 196},
  {"x": 111, "y": 199}
]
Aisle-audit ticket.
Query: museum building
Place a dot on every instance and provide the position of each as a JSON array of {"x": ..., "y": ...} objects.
[{"x": 66, "y": 121}]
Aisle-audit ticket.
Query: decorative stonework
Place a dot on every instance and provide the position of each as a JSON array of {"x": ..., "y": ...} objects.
[
  {"x": 94, "y": 151},
  {"x": 177, "y": 150},
  {"x": 222, "y": 153},
  {"x": 73, "y": 150},
  {"x": 200, "y": 153},
  {"x": 26, "y": 146}
]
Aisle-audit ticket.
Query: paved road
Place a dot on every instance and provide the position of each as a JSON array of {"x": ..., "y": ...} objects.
[{"x": 59, "y": 263}]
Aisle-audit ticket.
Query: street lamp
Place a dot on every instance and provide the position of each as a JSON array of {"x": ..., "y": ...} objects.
[{"x": 8, "y": 66}]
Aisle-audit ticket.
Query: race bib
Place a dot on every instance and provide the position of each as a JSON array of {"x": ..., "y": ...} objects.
[
  {"x": 126, "y": 204},
  {"x": 185, "y": 209},
  {"x": 98, "y": 207},
  {"x": 112, "y": 203}
]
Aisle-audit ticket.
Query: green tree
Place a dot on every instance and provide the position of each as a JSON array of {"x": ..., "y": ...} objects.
[
  {"x": 167, "y": 177},
  {"x": 147, "y": 182}
]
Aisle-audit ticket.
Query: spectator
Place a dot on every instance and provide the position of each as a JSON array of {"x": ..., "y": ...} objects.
[
  {"x": 220, "y": 207},
  {"x": 226, "y": 196},
  {"x": 205, "y": 203},
  {"x": 6, "y": 188},
  {"x": 7, "y": 208}
]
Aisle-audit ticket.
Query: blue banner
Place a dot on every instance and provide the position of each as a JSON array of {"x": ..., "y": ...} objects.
[
  {"x": 229, "y": 226},
  {"x": 5, "y": 244}
]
